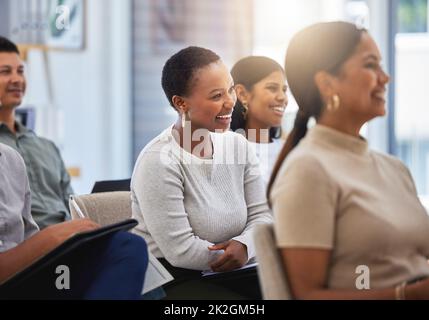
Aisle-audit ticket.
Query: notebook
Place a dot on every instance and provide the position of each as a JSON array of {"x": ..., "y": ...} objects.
[
  {"x": 156, "y": 274},
  {"x": 65, "y": 248}
]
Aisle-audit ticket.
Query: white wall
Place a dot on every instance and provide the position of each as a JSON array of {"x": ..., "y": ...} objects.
[
  {"x": 90, "y": 115},
  {"x": 222, "y": 26},
  {"x": 277, "y": 21}
]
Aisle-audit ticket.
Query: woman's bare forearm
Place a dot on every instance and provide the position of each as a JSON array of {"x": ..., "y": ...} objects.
[
  {"x": 415, "y": 291},
  {"x": 331, "y": 294}
]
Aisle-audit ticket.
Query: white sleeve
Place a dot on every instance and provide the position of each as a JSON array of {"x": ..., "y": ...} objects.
[
  {"x": 159, "y": 191},
  {"x": 257, "y": 205}
]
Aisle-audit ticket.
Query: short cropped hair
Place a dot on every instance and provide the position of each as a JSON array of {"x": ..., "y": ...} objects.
[{"x": 179, "y": 70}]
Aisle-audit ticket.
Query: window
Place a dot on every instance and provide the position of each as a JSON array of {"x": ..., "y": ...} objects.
[
  {"x": 411, "y": 92},
  {"x": 276, "y": 21},
  {"x": 412, "y": 16}
]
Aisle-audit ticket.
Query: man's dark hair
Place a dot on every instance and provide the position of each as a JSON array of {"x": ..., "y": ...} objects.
[
  {"x": 179, "y": 70},
  {"x": 7, "y": 46}
]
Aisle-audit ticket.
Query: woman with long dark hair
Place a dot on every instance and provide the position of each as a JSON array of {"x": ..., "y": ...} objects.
[
  {"x": 260, "y": 84},
  {"x": 348, "y": 220}
]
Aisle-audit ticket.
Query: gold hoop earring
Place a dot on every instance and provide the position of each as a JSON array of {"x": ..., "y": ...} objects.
[
  {"x": 333, "y": 103},
  {"x": 246, "y": 109},
  {"x": 183, "y": 119},
  {"x": 336, "y": 101}
]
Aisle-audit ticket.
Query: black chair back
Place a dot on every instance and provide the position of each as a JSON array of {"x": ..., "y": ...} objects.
[{"x": 111, "y": 185}]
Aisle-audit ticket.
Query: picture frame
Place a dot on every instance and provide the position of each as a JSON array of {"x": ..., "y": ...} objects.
[
  {"x": 49, "y": 24},
  {"x": 66, "y": 25}
]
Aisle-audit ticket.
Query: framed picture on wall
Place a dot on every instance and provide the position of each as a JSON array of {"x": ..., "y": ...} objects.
[
  {"x": 52, "y": 24},
  {"x": 66, "y": 25}
]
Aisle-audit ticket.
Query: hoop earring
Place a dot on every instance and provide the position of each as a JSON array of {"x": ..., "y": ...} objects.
[
  {"x": 336, "y": 101},
  {"x": 333, "y": 103},
  {"x": 183, "y": 119},
  {"x": 246, "y": 109}
]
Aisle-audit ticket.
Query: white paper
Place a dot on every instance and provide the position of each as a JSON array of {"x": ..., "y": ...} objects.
[
  {"x": 76, "y": 207},
  {"x": 247, "y": 266},
  {"x": 156, "y": 275}
]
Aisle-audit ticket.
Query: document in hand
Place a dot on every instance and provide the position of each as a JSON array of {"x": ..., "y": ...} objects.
[
  {"x": 251, "y": 266},
  {"x": 156, "y": 275}
]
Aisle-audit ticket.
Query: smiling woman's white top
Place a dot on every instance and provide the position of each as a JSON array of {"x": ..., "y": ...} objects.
[
  {"x": 267, "y": 154},
  {"x": 184, "y": 204}
]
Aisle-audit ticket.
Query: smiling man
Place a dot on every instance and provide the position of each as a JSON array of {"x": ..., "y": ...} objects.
[{"x": 49, "y": 180}]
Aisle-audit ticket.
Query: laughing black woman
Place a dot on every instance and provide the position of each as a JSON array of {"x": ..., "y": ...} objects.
[{"x": 196, "y": 188}]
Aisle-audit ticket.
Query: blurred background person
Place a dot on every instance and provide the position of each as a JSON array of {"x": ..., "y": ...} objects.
[
  {"x": 339, "y": 205},
  {"x": 260, "y": 84}
]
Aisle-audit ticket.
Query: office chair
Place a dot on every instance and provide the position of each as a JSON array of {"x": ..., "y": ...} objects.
[
  {"x": 111, "y": 185},
  {"x": 26, "y": 116},
  {"x": 104, "y": 208},
  {"x": 271, "y": 274}
]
